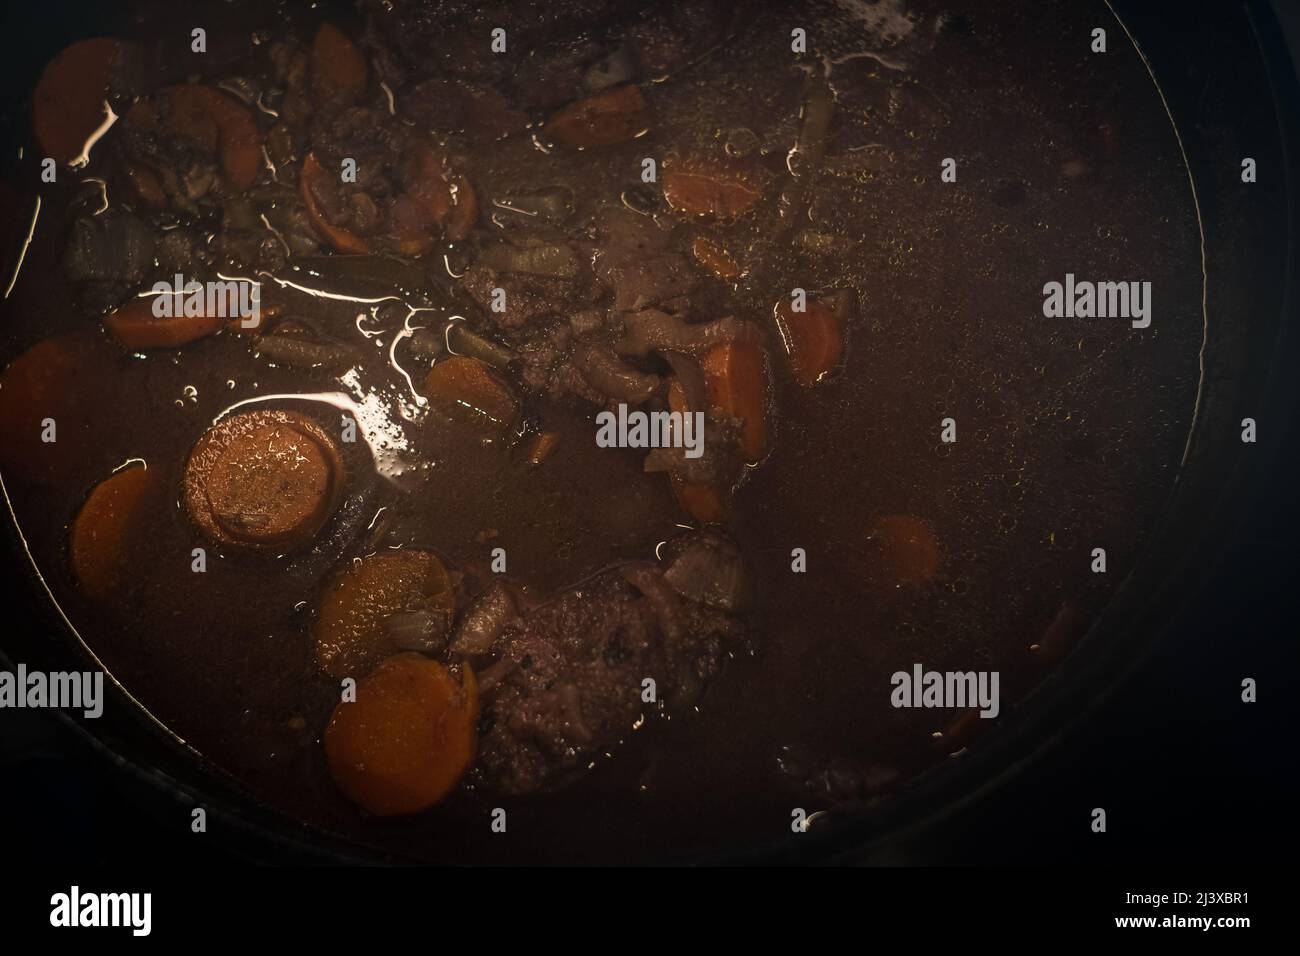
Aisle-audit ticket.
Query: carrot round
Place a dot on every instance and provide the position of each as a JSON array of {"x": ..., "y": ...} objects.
[
  {"x": 407, "y": 739},
  {"x": 68, "y": 103},
  {"x": 351, "y": 625},
  {"x": 606, "y": 118},
  {"x": 813, "y": 339},
  {"x": 736, "y": 382},
  {"x": 471, "y": 391},
  {"x": 136, "y": 326},
  {"x": 706, "y": 186},
  {"x": 310, "y": 177},
  {"x": 99, "y": 544},
  {"x": 268, "y": 479},
  {"x": 338, "y": 70}
]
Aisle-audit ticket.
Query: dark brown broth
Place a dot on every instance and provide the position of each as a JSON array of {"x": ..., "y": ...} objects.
[{"x": 1070, "y": 434}]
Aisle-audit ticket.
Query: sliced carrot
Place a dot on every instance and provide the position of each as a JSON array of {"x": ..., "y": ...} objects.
[
  {"x": 735, "y": 378},
  {"x": 407, "y": 739},
  {"x": 100, "y": 545},
  {"x": 470, "y": 390},
  {"x": 218, "y": 124},
  {"x": 135, "y": 324},
  {"x": 423, "y": 204},
  {"x": 311, "y": 177},
  {"x": 69, "y": 100},
  {"x": 714, "y": 258},
  {"x": 432, "y": 196},
  {"x": 338, "y": 70},
  {"x": 903, "y": 552},
  {"x": 813, "y": 339},
  {"x": 40, "y": 383},
  {"x": 704, "y": 501},
  {"x": 267, "y": 313},
  {"x": 612, "y": 116},
  {"x": 427, "y": 186},
  {"x": 266, "y": 479},
  {"x": 722, "y": 187},
  {"x": 542, "y": 447},
  {"x": 359, "y": 600}
]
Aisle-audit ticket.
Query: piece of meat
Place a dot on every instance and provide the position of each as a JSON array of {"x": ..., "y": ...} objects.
[
  {"x": 634, "y": 264},
  {"x": 541, "y": 350},
  {"x": 548, "y": 45},
  {"x": 267, "y": 479},
  {"x": 651, "y": 330},
  {"x": 190, "y": 145},
  {"x": 527, "y": 297},
  {"x": 571, "y": 671}
]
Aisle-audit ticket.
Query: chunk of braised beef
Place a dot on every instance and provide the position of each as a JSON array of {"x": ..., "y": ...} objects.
[
  {"x": 652, "y": 330},
  {"x": 541, "y": 349},
  {"x": 635, "y": 265},
  {"x": 527, "y": 297},
  {"x": 587, "y": 652},
  {"x": 447, "y": 37}
]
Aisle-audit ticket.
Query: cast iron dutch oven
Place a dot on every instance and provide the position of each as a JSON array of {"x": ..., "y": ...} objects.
[{"x": 1230, "y": 87}]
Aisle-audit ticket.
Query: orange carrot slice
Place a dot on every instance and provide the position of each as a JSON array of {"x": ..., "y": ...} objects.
[
  {"x": 351, "y": 626},
  {"x": 471, "y": 391},
  {"x": 407, "y": 739},
  {"x": 712, "y": 186},
  {"x": 714, "y": 258},
  {"x": 736, "y": 381},
  {"x": 100, "y": 546},
  {"x": 813, "y": 339},
  {"x": 704, "y": 501},
  {"x": 338, "y": 70},
  {"x": 433, "y": 196},
  {"x": 542, "y": 447},
  {"x": 606, "y": 118},
  {"x": 136, "y": 326},
  {"x": 311, "y": 177},
  {"x": 68, "y": 104}
]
